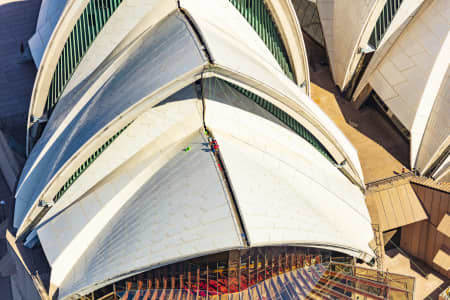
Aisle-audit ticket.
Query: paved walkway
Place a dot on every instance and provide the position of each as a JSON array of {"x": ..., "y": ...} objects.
[
  {"x": 427, "y": 286},
  {"x": 382, "y": 151},
  {"x": 17, "y": 24}
]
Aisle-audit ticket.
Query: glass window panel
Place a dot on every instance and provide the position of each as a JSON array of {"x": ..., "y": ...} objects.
[
  {"x": 84, "y": 32},
  {"x": 259, "y": 17}
]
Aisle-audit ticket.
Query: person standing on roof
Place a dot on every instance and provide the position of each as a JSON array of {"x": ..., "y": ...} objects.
[{"x": 214, "y": 146}]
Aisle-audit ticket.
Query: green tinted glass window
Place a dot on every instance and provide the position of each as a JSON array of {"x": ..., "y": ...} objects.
[
  {"x": 383, "y": 21},
  {"x": 86, "y": 164},
  {"x": 89, "y": 24},
  {"x": 258, "y": 16},
  {"x": 216, "y": 83}
]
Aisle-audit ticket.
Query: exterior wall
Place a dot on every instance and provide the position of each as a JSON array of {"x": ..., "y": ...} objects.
[
  {"x": 403, "y": 74},
  {"x": 422, "y": 239},
  {"x": 347, "y": 25}
]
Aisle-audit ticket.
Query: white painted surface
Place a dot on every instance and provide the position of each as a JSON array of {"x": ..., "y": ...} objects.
[
  {"x": 346, "y": 25},
  {"x": 163, "y": 205},
  {"x": 286, "y": 20},
  {"x": 286, "y": 191},
  {"x": 235, "y": 28},
  {"x": 144, "y": 202},
  {"x": 49, "y": 60},
  {"x": 402, "y": 18},
  {"x": 401, "y": 77},
  {"x": 177, "y": 209},
  {"x": 147, "y": 138},
  {"x": 48, "y": 17},
  {"x": 404, "y": 12},
  {"x": 155, "y": 129},
  {"x": 220, "y": 17},
  {"x": 127, "y": 16},
  {"x": 442, "y": 174},
  {"x": 140, "y": 72},
  {"x": 74, "y": 131},
  {"x": 153, "y": 137},
  {"x": 230, "y": 53},
  {"x": 411, "y": 79},
  {"x": 435, "y": 97},
  {"x": 132, "y": 10}
]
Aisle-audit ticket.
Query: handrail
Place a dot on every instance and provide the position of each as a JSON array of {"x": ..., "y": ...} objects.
[
  {"x": 352, "y": 289},
  {"x": 391, "y": 179},
  {"x": 368, "y": 269},
  {"x": 367, "y": 281}
]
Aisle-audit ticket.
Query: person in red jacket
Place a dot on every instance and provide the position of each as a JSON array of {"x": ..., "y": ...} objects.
[{"x": 214, "y": 146}]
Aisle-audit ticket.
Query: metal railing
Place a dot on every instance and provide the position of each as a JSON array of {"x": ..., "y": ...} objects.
[
  {"x": 379, "y": 246},
  {"x": 391, "y": 179},
  {"x": 372, "y": 282}
]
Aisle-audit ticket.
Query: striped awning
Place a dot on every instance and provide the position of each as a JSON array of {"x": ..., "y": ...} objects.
[
  {"x": 442, "y": 259},
  {"x": 444, "y": 225},
  {"x": 395, "y": 205}
]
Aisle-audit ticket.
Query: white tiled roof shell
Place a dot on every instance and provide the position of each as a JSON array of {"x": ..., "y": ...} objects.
[{"x": 145, "y": 166}]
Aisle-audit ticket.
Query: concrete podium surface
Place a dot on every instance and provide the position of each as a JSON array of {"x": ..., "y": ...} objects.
[{"x": 17, "y": 25}]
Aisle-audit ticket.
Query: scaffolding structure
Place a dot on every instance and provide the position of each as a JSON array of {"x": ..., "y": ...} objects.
[{"x": 262, "y": 273}]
